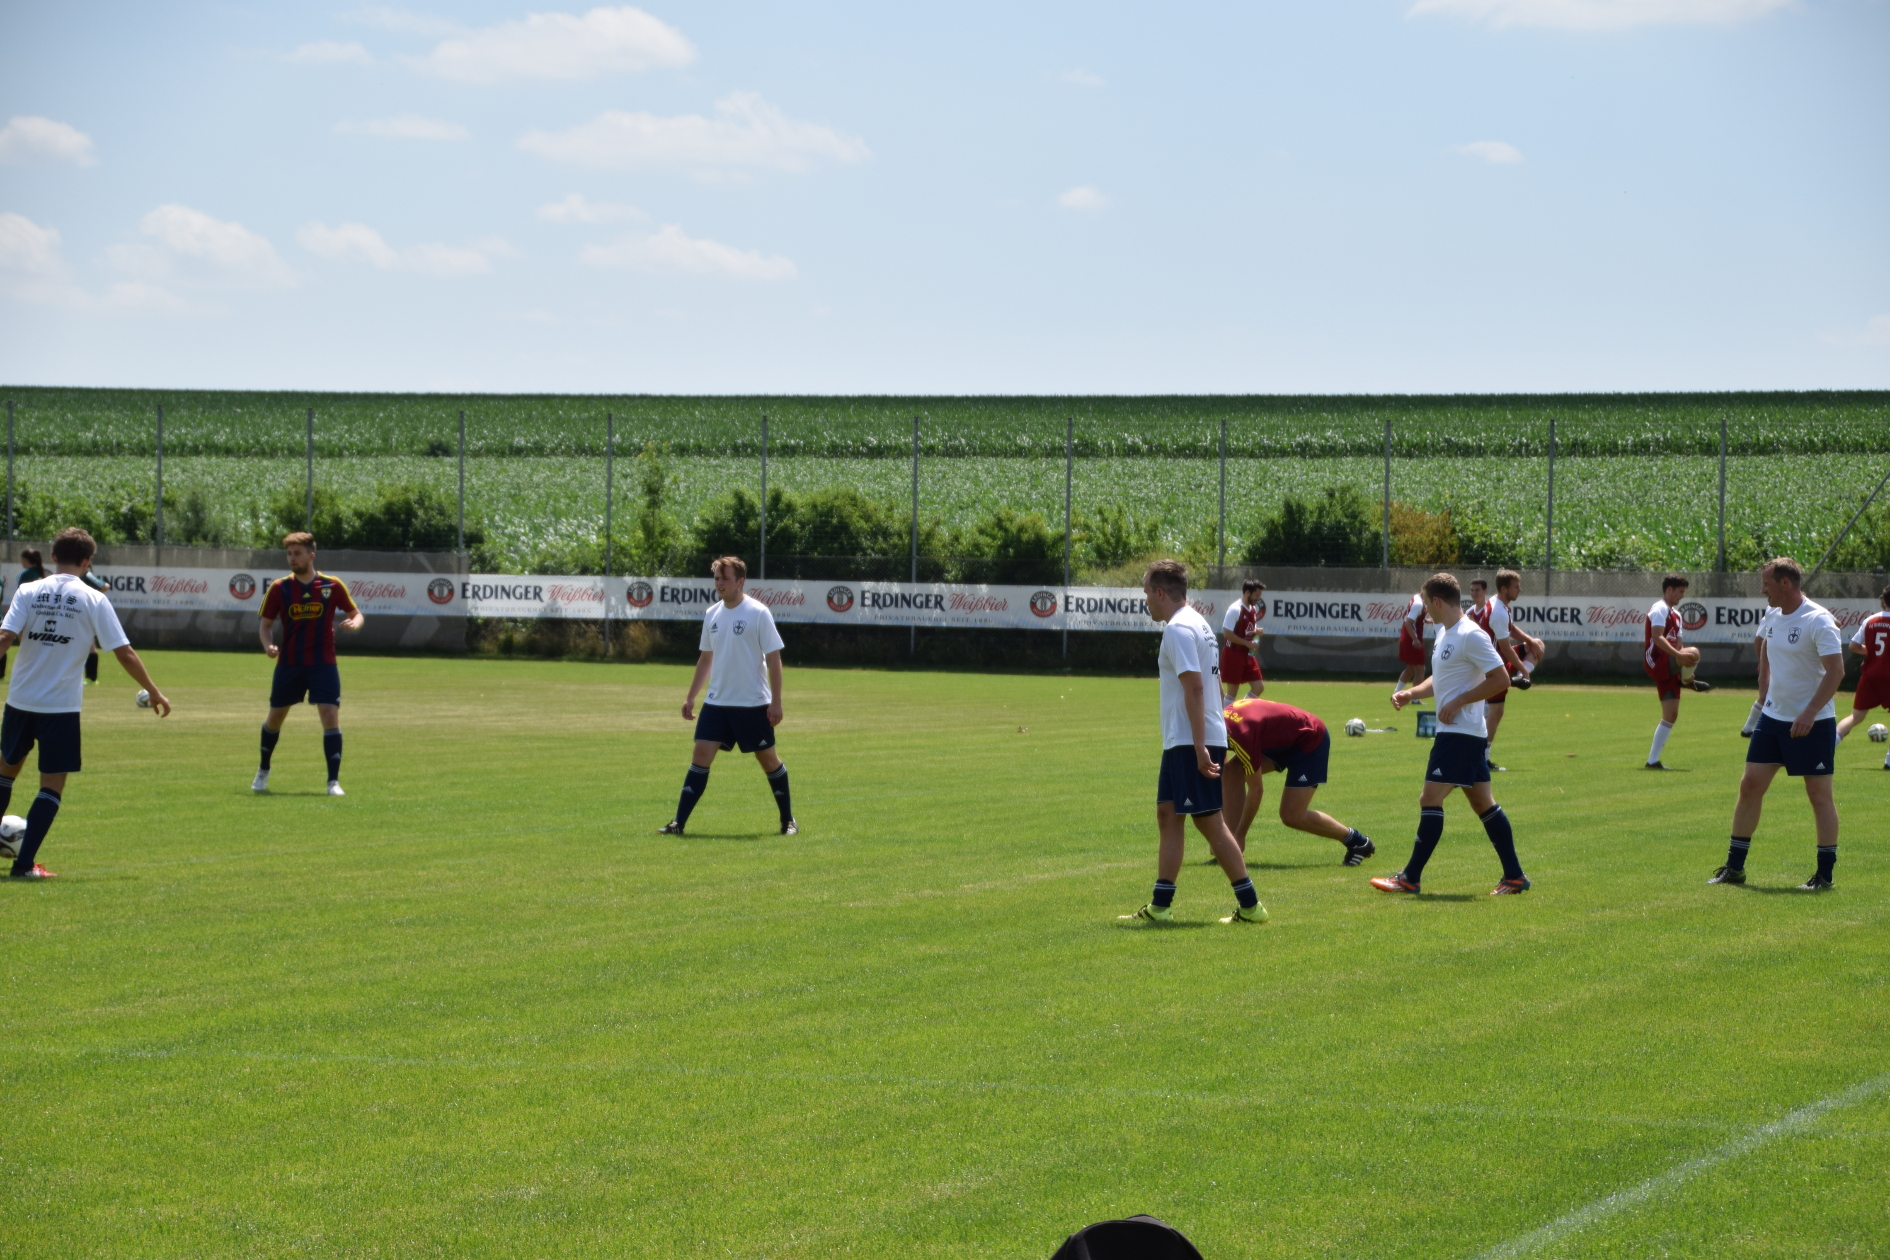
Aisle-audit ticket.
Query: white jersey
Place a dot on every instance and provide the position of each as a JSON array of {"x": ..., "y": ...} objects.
[
  {"x": 57, "y": 618},
  {"x": 1416, "y": 612},
  {"x": 740, "y": 638},
  {"x": 1794, "y": 646},
  {"x": 1499, "y": 620},
  {"x": 1461, "y": 658},
  {"x": 1188, "y": 646}
]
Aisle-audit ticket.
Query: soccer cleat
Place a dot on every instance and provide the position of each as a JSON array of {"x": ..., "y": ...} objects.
[
  {"x": 261, "y": 783},
  {"x": 1395, "y": 882},
  {"x": 1728, "y": 875},
  {"x": 790, "y": 828},
  {"x": 1699, "y": 684},
  {"x": 1745, "y": 733},
  {"x": 1817, "y": 883},
  {"x": 1521, "y": 682},
  {"x": 1354, "y": 854},
  {"x": 1509, "y": 887},
  {"x": 334, "y": 788},
  {"x": 1153, "y": 913},
  {"x": 1496, "y": 769},
  {"x": 670, "y": 828},
  {"x": 1653, "y": 765},
  {"x": 40, "y": 872},
  {"x": 1255, "y": 913}
]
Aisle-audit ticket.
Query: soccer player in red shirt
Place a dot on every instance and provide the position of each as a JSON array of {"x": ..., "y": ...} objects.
[
  {"x": 1411, "y": 654},
  {"x": 1872, "y": 642},
  {"x": 1667, "y": 661},
  {"x": 306, "y": 603},
  {"x": 1240, "y": 651},
  {"x": 1264, "y": 736}
]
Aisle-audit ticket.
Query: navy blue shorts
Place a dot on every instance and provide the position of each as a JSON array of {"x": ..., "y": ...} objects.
[
  {"x": 1809, "y": 758},
  {"x": 730, "y": 727},
  {"x": 1302, "y": 769},
  {"x": 320, "y": 683},
  {"x": 1461, "y": 760},
  {"x": 1184, "y": 786},
  {"x": 57, "y": 735}
]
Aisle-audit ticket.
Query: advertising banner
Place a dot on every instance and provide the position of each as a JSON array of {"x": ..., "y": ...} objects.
[{"x": 1309, "y": 614}]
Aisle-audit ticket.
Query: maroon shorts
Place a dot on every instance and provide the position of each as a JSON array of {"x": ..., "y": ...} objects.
[
  {"x": 1872, "y": 693},
  {"x": 1666, "y": 679},
  {"x": 1238, "y": 665},
  {"x": 1410, "y": 650}
]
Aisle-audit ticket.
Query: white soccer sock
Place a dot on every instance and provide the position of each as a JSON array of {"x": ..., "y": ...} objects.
[
  {"x": 1660, "y": 742},
  {"x": 1752, "y": 719},
  {"x": 1528, "y": 667}
]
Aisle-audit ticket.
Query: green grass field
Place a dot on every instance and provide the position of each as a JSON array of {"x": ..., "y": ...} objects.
[{"x": 477, "y": 1008}]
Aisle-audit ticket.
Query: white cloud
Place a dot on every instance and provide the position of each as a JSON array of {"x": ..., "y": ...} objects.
[
  {"x": 559, "y": 46},
  {"x": 331, "y": 52},
  {"x": 190, "y": 248},
  {"x": 404, "y": 127},
  {"x": 1083, "y": 78},
  {"x": 1083, "y": 197},
  {"x": 746, "y": 132},
  {"x": 27, "y": 248},
  {"x": 1599, "y": 15},
  {"x": 575, "y": 208},
  {"x": 26, "y": 136},
  {"x": 404, "y": 23},
  {"x": 1495, "y": 152},
  {"x": 357, "y": 242},
  {"x": 1877, "y": 330},
  {"x": 671, "y": 250},
  {"x": 33, "y": 270}
]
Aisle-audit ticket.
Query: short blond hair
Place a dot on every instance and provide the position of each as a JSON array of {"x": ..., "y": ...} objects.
[
  {"x": 730, "y": 566},
  {"x": 300, "y": 538}
]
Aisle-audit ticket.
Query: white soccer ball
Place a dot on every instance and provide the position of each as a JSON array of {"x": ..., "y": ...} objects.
[
  {"x": 144, "y": 699},
  {"x": 1355, "y": 727},
  {"x": 1878, "y": 732},
  {"x": 12, "y": 829}
]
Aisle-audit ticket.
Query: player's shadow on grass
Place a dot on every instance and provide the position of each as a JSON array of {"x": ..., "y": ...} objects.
[
  {"x": 1774, "y": 890},
  {"x": 1447, "y": 897},
  {"x": 730, "y": 835},
  {"x": 1284, "y": 866},
  {"x": 281, "y": 792},
  {"x": 1179, "y": 925}
]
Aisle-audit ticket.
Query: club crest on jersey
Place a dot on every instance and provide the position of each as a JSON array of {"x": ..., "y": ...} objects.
[
  {"x": 739, "y": 627},
  {"x": 1793, "y": 636}
]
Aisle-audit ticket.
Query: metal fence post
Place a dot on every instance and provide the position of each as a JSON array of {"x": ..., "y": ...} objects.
[
  {"x": 9, "y": 470},
  {"x": 308, "y": 512},
  {"x": 1386, "y": 562},
  {"x": 158, "y": 529},
  {"x": 1721, "y": 566},
  {"x": 1222, "y": 533},
  {"x": 462, "y": 483},
  {"x": 764, "y": 496},
  {"x": 610, "y": 497},
  {"x": 1069, "y": 470},
  {"x": 1548, "y": 550},
  {"x": 912, "y": 645}
]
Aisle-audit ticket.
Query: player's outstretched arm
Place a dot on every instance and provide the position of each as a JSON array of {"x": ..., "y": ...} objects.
[
  {"x": 128, "y": 657},
  {"x": 266, "y": 630},
  {"x": 774, "y": 687},
  {"x": 1423, "y": 691},
  {"x": 695, "y": 685}
]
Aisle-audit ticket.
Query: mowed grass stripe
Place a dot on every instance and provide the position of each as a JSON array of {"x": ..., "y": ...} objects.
[{"x": 478, "y": 1007}]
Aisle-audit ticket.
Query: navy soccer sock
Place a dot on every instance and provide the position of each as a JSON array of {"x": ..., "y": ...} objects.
[
  {"x": 6, "y": 793},
  {"x": 694, "y": 784},
  {"x": 1827, "y": 860},
  {"x": 39, "y": 820},
  {"x": 1736, "y": 853},
  {"x": 1430, "y": 829},
  {"x": 1503, "y": 840},
  {"x": 1164, "y": 893},
  {"x": 1245, "y": 895},
  {"x": 331, "y": 749},
  {"x": 269, "y": 739},
  {"x": 777, "y": 779}
]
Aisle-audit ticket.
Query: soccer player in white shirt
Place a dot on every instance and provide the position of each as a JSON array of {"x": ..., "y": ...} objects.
[
  {"x": 55, "y": 621},
  {"x": 1194, "y": 744},
  {"x": 1804, "y": 664},
  {"x": 1465, "y": 672},
  {"x": 741, "y": 662}
]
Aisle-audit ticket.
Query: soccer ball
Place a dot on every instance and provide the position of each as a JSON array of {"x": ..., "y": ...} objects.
[
  {"x": 1355, "y": 727},
  {"x": 12, "y": 831},
  {"x": 144, "y": 699},
  {"x": 1878, "y": 732}
]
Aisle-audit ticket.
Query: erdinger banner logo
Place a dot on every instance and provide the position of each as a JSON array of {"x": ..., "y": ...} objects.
[
  {"x": 1692, "y": 616},
  {"x": 840, "y": 599},
  {"x": 1044, "y": 603},
  {"x": 243, "y": 586},
  {"x": 640, "y": 593},
  {"x": 440, "y": 590}
]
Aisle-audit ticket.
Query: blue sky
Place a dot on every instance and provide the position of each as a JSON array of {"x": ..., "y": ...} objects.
[{"x": 1350, "y": 196}]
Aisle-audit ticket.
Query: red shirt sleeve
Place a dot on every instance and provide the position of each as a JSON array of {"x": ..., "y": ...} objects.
[
  {"x": 272, "y": 602},
  {"x": 344, "y": 602}
]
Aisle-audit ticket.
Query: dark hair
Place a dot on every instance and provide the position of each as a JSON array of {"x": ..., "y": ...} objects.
[
  {"x": 300, "y": 536},
  {"x": 735, "y": 567},
  {"x": 30, "y": 556},
  {"x": 1674, "y": 579},
  {"x": 1885, "y": 597},
  {"x": 73, "y": 546},
  {"x": 1505, "y": 576},
  {"x": 1443, "y": 586},
  {"x": 1170, "y": 577},
  {"x": 1252, "y": 584},
  {"x": 1784, "y": 567}
]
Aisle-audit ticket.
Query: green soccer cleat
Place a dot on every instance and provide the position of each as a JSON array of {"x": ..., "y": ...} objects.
[
  {"x": 1153, "y": 913},
  {"x": 1256, "y": 913}
]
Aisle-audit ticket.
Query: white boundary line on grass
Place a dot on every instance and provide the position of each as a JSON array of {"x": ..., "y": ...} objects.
[{"x": 1621, "y": 1200}]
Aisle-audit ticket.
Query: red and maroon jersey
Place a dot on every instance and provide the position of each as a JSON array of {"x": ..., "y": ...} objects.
[
  {"x": 307, "y": 613},
  {"x": 1249, "y": 618},
  {"x": 1874, "y": 636},
  {"x": 1258, "y": 728},
  {"x": 1661, "y": 621}
]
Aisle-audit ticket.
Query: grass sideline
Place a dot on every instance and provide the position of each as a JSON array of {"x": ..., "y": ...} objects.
[{"x": 477, "y": 1008}]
